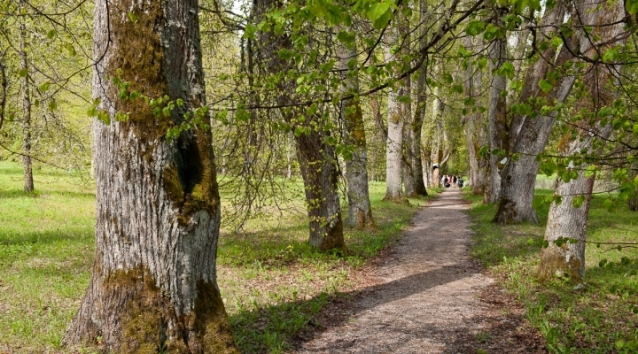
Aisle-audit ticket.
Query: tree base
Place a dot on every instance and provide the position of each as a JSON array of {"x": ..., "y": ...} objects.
[{"x": 557, "y": 261}]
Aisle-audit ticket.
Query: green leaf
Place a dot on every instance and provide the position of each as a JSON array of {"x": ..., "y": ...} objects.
[
  {"x": 545, "y": 85},
  {"x": 249, "y": 31},
  {"x": 45, "y": 86},
  {"x": 23, "y": 72},
  {"x": 377, "y": 10},
  {"x": 132, "y": 17},
  {"x": 507, "y": 70},
  {"x": 631, "y": 6},
  {"x": 578, "y": 201},
  {"x": 104, "y": 117},
  {"x": 474, "y": 27},
  {"x": 51, "y": 34}
]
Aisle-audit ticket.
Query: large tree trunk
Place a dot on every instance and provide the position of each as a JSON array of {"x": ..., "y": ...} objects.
[
  {"x": 394, "y": 153},
  {"x": 568, "y": 219},
  {"x": 496, "y": 117},
  {"x": 153, "y": 285},
  {"x": 26, "y": 109},
  {"x": 359, "y": 210},
  {"x": 317, "y": 160},
  {"x": 529, "y": 135}
]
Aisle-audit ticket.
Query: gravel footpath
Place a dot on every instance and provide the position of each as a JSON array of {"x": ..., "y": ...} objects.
[{"x": 427, "y": 296}]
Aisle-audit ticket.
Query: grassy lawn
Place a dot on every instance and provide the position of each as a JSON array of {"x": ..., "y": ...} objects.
[
  {"x": 272, "y": 282},
  {"x": 602, "y": 316}
]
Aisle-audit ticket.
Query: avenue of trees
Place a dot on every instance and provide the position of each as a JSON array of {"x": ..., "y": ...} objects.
[{"x": 192, "y": 97}]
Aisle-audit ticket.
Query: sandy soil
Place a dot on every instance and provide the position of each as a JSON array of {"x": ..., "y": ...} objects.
[{"x": 426, "y": 296}]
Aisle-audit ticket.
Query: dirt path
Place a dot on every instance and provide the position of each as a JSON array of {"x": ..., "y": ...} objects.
[{"x": 428, "y": 296}]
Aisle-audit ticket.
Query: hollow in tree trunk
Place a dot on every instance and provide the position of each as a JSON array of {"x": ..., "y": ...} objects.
[{"x": 153, "y": 285}]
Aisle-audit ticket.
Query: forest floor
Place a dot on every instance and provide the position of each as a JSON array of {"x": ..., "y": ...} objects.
[{"x": 426, "y": 295}]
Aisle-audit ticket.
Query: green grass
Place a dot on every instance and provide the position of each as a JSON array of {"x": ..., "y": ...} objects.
[
  {"x": 46, "y": 247},
  {"x": 600, "y": 317},
  {"x": 273, "y": 284}
]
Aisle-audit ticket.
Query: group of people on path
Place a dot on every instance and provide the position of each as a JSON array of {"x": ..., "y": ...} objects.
[{"x": 448, "y": 181}]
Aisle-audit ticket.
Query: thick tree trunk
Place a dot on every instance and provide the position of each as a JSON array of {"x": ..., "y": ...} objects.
[
  {"x": 394, "y": 153},
  {"x": 317, "y": 160},
  {"x": 359, "y": 209},
  {"x": 565, "y": 221},
  {"x": 569, "y": 218},
  {"x": 529, "y": 135},
  {"x": 26, "y": 110},
  {"x": 496, "y": 117},
  {"x": 153, "y": 285}
]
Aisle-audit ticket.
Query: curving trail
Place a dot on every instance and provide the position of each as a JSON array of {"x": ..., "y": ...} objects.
[{"x": 426, "y": 297}]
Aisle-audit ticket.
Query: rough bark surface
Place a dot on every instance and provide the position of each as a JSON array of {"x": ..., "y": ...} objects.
[
  {"x": 359, "y": 210},
  {"x": 153, "y": 285},
  {"x": 565, "y": 219},
  {"x": 394, "y": 152},
  {"x": 26, "y": 110},
  {"x": 418, "y": 178},
  {"x": 317, "y": 160},
  {"x": 496, "y": 117},
  {"x": 529, "y": 135}
]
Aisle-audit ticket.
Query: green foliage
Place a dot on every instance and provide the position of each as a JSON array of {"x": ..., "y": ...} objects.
[{"x": 598, "y": 316}]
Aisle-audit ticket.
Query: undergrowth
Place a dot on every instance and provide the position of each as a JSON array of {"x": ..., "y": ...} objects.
[
  {"x": 598, "y": 316},
  {"x": 273, "y": 284}
]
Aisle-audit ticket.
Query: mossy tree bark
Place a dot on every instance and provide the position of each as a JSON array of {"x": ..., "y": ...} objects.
[
  {"x": 529, "y": 135},
  {"x": 568, "y": 219},
  {"x": 416, "y": 125},
  {"x": 359, "y": 209},
  {"x": 317, "y": 159},
  {"x": 153, "y": 285},
  {"x": 26, "y": 107}
]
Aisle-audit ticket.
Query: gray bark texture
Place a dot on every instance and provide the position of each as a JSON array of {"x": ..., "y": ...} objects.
[
  {"x": 394, "y": 152},
  {"x": 473, "y": 130},
  {"x": 317, "y": 159},
  {"x": 566, "y": 220},
  {"x": 359, "y": 209},
  {"x": 153, "y": 284},
  {"x": 416, "y": 157},
  {"x": 528, "y": 136},
  {"x": 26, "y": 109},
  {"x": 496, "y": 117}
]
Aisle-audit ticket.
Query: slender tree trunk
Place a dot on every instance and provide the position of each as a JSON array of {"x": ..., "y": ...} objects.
[
  {"x": 359, "y": 210},
  {"x": 394, "y": 153},
  {"x": 419, "y": 115},
  {"x": 472, "y": 82},
  {"x": 153, "y": 286},
  {"x": 496, "y": 117},
  {"x": 633, "y": 173},
  {"x": 568, "y": 219},
  {"x": 26, "y": 109}
]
